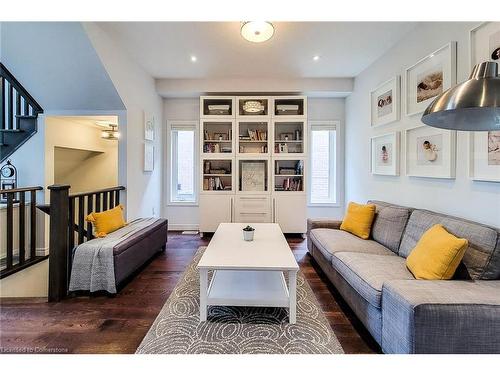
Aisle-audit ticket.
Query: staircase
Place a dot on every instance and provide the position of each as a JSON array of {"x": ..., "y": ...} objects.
[{"x": 18, "y": 114}]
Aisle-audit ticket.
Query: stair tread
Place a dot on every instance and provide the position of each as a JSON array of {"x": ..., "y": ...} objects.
[
  {"x": 11, "y": 130},
  {"x": 26, "y": 116}
]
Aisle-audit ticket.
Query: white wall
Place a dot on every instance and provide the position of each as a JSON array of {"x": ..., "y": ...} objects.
[
  {"x": 186, "y": 217},
  {"x": 478, "y": 201},
  {"x": 98, "y": 172},
  {"x": 30, "y": 282},
  {"x": 56, "y": 63},
  {"x": 137, "y": 91}
]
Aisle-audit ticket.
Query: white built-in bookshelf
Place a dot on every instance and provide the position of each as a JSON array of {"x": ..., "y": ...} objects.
[{"x": 253, "y": 160}]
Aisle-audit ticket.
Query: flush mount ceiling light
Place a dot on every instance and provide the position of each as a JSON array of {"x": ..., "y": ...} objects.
[
  {"x": 194, "y": 58},
  {"x": 257, "y": 31},
  {"x": 316, "y": 58},
  {"x": 111, "y": 134}
]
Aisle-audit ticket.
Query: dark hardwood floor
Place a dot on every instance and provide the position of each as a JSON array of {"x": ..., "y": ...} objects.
[{"x": 102, "y": 324}]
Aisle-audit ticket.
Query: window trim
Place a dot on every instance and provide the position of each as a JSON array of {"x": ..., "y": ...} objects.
[
  {"x": 187, "y": 125},
  {"x": 326, "y": 125}
]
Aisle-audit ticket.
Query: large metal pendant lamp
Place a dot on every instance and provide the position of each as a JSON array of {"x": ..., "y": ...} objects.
[{"x": 473, "y": 105}]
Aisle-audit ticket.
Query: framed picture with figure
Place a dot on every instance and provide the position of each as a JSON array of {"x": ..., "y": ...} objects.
[
  {"x": 385, "y": 154},
  {"x": 430, "y": 152},
  {"x": 385, "y": 101},
  {"x": 429, "y": 77}
]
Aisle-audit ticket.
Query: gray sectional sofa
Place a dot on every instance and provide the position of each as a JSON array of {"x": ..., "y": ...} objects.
[{"x": 403, "y": 314}]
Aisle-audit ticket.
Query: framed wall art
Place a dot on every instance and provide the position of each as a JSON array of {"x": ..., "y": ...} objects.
[
  {"x": 385, "y": 101},
  {"x": 385, "y": 154},
  {"x": 253, "y": 175},
  {"x": 149, "y": 157},
  {"x": 484, "y": 156},
  {"x": 429, "y": 77},
  {"x": 149, "y": 126},
  {"x": 485, "y": 43},
  {"x": 430, "y": 152}
]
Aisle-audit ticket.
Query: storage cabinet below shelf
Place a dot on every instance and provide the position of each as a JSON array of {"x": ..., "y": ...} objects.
[
  {"x": 290, "y": 212},
  {"x": 215, "y": 210},
  {"x": 252, "y": 209}
]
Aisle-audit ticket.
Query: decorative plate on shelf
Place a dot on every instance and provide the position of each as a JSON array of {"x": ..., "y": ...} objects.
[{"x": 253, "y": 106}]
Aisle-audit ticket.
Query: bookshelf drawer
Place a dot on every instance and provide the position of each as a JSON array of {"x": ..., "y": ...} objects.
[{"x": 253, "y": 204}]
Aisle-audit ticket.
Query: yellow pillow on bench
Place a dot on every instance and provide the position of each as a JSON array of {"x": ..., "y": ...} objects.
[
  {"x": 107, "y": 221},
  {"x": 358, "y": 219},
  {"x": 436, "y": 255}
]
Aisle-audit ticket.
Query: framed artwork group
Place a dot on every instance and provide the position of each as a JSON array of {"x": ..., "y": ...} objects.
[
  {"x": 149, "y": 136},
  {"x": 431, "y": 152}
]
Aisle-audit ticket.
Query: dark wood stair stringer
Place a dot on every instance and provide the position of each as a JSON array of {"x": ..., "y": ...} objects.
[{"x": 18, "y": 114}]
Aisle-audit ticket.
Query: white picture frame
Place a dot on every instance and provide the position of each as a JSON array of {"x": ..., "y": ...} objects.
[
  {"x": 253, "y": 176},
  {"x": 149, "y": 157},
  {"x": 149, "y": 126},
  {"x": 387, "y": 112},
  {"x": 430, "y": 152},
  {"x": 482, "y": 166},
  {"x": 483, "y": 39},
  {"x": 384, "y": 151},
  {"x": 430, "y": 76}
]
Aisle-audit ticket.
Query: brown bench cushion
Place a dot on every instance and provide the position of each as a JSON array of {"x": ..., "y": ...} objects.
[{"x": 136, "y": 237}]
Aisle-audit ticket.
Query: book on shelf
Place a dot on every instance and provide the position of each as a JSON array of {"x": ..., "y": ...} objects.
[
  {"x": 210, "y": 148},
  {"x": 217, "y": 136},
  {"x": 214, "y": 183},
  {"x": 255, "y": 135},
  {"x": 289, "y": 184}
]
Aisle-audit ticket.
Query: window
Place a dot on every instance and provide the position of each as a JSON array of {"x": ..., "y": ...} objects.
[
  {"x": 323, "y": 163},
  {"x": 183, "y": 157}
]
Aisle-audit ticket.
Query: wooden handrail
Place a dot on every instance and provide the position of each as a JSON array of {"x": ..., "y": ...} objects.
[
  {"x": 21, "y": 190},
  {"x": 4, "y": 72},
  {"x": 106, "y": 190},
  {"x": 69, "y": 229}
]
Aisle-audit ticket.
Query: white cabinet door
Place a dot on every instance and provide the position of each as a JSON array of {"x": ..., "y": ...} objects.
[
  {"x": 215, "y": 210},
  {"x": 290, "y": 212}
]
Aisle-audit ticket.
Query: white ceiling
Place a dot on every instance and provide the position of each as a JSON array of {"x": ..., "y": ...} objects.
[{"x": 164, "y": 49}]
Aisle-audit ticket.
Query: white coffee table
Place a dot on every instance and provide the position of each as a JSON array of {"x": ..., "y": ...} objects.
[{"x": 248, "y": 273}]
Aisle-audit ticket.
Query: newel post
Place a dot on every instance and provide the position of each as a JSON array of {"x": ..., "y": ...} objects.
[{"x": 58, "y": 242}]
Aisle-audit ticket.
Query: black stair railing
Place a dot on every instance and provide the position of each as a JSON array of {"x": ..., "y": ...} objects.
[
  {"x": 18, "y": 113},
  {"x": 68, "y": 229},
  {"x": 19, "y": 229}
]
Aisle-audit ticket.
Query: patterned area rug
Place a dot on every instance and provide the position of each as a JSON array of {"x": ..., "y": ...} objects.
[{"x": 237, "y": 330}]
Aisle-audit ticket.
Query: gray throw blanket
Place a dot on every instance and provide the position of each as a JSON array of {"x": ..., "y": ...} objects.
[{"x": 93, "y": 265}]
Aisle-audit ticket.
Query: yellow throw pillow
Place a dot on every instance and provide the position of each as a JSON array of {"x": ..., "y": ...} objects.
[
  {"x": 107, "y": 221},
  {"x": 436, "y": 255},
  {"x": 358, "y": 219}
]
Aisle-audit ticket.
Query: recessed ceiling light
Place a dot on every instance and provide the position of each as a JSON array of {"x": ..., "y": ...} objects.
[
  {"x": 316, "y": 58},
  {"x": 193, "y": 58},
  {"x": 257, "y": 31}
]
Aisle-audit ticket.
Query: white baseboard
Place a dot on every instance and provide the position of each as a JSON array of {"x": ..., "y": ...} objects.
[{"x": 183, "y": 226}]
